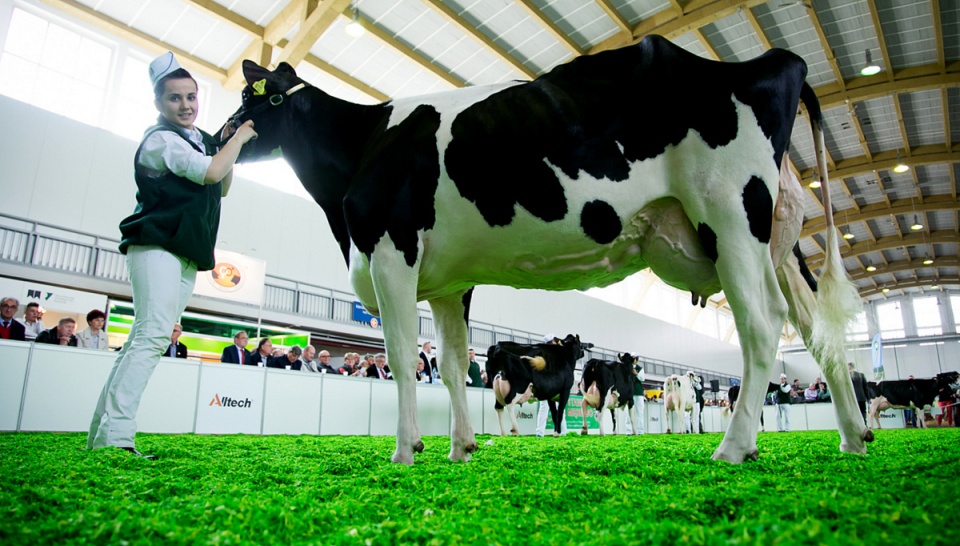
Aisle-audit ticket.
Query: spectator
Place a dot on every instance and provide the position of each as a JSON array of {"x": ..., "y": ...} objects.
[
  {"x": 910, "y": 414},
  {"x": 176, "y": 349},
  {"x": 434, "y": 371},
  {"x": 277, "y": 351},
  {"x": 94, "y": 337},
  {"x": 61, "y": 334},
  {"x": 349, "y": 364},
  {"x": 288, "y": 361},
  {"x": 237, "y": 353},
  {"x": 307, "y": 363},
  {"x": 362, "y": 366},
  {"x": 474, "y": 379},
  {"x": 698, "y": 391},
  {"x": 783, "y": 405},
  {"x": 10, "y": 328},
  {"x": 325, "y": 366},
  {"x": 859, "y": 389},
  {"x": 425, "y": 356},
  {"x": 810, "y": 395},
  {"x": 380, "y": 369},
  {"x": 823, "y": 393},
  {"x": 31, "y": 321},
  {"x": 421, "y": 373},
  {"x": 796, "y": 392},
  {"x": 263, "y": 354}
]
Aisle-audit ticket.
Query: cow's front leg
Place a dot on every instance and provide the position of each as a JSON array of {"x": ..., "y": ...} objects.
[
  {"x": 449, "y": 319},
  {"x": 395, "y": 285}
]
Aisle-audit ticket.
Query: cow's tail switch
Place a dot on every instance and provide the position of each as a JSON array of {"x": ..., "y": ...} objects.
[
  {"x": 838, "y": 301},
  {"x": 536, "y": 362}
]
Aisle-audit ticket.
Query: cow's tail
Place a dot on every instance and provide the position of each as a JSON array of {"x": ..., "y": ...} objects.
[
  {"x": 536, "y": 362},
  {"x": 838, "y": 301}
]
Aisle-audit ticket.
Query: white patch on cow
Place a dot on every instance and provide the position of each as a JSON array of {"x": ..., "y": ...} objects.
[{"x": 447, "y": 102}]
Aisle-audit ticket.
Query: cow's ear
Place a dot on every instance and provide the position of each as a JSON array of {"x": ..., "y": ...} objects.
[
  {"x": 285, "y": 68},
  {"x": 253, "y": 72}
]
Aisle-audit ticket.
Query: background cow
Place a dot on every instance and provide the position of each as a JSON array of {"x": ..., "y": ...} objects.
[
  {"x": 680, "y": 402},
  {"x": 644, "y": 156},
  {"x": 524, "y": 373},
  {"x": 908, "y": 394},
  {"x": 606, "y": 384}
]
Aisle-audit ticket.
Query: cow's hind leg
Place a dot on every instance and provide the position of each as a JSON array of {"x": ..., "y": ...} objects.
[
  {"x": 395, "y": 284},
  {"x": 449, "y": 318},
  {"x": 583, "y": 411}
]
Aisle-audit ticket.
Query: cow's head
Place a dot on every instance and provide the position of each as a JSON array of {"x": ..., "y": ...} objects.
[
  {"x": 266, "y": 100},
  {"x": 628, "y": 358},
  {"x": 578, "y": 346},
  {"x": 948, "y": 378}
]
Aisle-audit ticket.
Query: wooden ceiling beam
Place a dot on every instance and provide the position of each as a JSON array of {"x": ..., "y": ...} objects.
[
  {"x": 233, "y": 18},
  {"x": 551, "y": 27},
  {"x": 875, "y": 211},
  {"x": 316, "y": 23},
  {"x": 885, "y": 161},
  {"x": 618, "y": 19},
  {"x": 913, "y": 283},
  {"x": 464, "y": 26},
  {"x": 815, "y": 261}
]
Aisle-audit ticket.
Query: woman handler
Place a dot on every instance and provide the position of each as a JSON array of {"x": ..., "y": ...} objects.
[{"x": 180, "y": 177}]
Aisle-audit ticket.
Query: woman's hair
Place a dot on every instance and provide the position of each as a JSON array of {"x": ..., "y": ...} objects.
[
  {"x": 177, "y": 74},
  {"x": 95, "y": 314}
]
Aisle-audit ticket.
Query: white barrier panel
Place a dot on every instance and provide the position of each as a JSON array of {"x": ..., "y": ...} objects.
[
  {"x": 63, "y": 387},
  {"x": 13, "y": 372},
  {"x": 230, "y": 399},
  {"x": 820, "y": 416},
  {"x": 490, "y": 424},
  {"x": 169, "y": 403},
  {"x": 345, "y": 405},
  {"x": 475, "y": 407},
  {"x": 433, "y": 410},
  {"x": 292, "y": 404},
  {"x": 656, "y": 416},
  {"x": 383, "y": 407},
  {"x": 891, "y": 418}
]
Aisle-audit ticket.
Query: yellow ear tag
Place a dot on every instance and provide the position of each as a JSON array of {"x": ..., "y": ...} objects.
[{"x": 259, "y": 87}]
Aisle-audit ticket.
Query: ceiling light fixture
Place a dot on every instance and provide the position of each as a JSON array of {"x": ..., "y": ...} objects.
[
  {"x": 916, "y": 225},
  {"x": 354, "y": 28},
  {"x": 928, "y": 260},
  {"x": 900, "y": 167},
  {"x": 815, "y": 183},
  {"x": 871, "y": 68},
  {"x": 934, "y": 286},
  {"x": 848, "y": 234},
  {"x": 884, "y": 290},
  {"x": 870, "y": 267}
]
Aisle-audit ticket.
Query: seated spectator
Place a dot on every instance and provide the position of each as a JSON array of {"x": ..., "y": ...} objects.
[
  {"x": 94, "y": 336},
  {"x": 796, "y": 392},
  {"x": 810, "y": 395},
  {"x": 362, "y": 367},
  {"x": 823, "y": 393},
  {"x": 422, "y": 377},
  {"x": 277, "y": 351},
  {"x": 379, "y": 370},
  {"x": 176, "y": 349},
  {"x": 31, "y": 321},
  {"x": 307, "y": 363},
  {"x": 237, "y": 353},
  {"x": 325, "y": 367},
  {"x": 263, "y": 354},
  {"x": 288, "y": 361},
  {"x": 10, "y": 328},
  {"x": 425, "y": 356},
  {"x": 61, "y": 334},
  {"x": 349, "y": 363}
]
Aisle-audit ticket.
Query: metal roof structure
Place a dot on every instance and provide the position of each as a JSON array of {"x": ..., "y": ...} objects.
[{"x": 901, "y": 229}]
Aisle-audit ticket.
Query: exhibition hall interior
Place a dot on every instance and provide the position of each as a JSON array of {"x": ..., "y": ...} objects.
[{"x": 76, "y": 99}]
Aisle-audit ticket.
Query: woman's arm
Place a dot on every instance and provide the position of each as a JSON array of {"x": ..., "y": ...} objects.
[{"x": 222, "y": 164}]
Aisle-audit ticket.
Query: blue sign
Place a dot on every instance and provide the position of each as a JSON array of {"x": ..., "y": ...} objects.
[
  {"x": 361, "y": 315},
  {"x": 876, "y": 351}
]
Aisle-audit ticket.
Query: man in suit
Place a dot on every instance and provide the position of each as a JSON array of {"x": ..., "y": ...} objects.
[
  {"x": 379, "y": 370},
  {"x": 9, "y": 328},
  {"x": 307, "y": 363},
  {"x": 263, "y": 354},
  {"x": 176, "y": 349},
  {"x": 325, "y": 366},
  {"x": 425, "y": 356},
  {"x": 237, "y": 353}
]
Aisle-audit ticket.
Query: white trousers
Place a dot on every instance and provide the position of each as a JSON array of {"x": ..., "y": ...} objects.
[
  {"x": 542, "y": 418},
  {"x": 162, "y": 283},
  {"x": 783, "y": 415}
]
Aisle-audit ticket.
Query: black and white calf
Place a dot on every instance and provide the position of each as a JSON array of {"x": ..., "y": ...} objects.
[
  {"x": 523, "y": 373},
  {"x": 644, "y": 156},
  {"x": 606, "y": 384},
  {"x": 908, "y": 394}
]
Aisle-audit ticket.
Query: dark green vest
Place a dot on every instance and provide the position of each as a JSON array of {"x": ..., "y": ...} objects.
[{"x": 172, "y": 212}]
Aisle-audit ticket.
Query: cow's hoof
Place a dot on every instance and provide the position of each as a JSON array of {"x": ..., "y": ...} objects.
[
  {"x": 584, "y": 432},
  {"x": 868, "y": 435},
  {"x": 470, "y": 447},
  {"x": 720, "y": 455},
  {"x": 402, "y": 458},
  {"x": 418, "y": 447},
  {"x": 460, "y": 456},
  {"x": 514, "y": 433}
]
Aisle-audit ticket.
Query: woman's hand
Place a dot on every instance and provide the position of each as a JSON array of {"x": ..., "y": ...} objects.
[{"x": 245, "y": 132}]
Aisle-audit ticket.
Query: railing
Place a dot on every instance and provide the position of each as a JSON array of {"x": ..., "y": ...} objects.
[{"x": 45, "y": 246}]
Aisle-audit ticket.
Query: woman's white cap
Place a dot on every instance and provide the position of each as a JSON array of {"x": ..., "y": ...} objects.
[{"x": 161, "y": 66}]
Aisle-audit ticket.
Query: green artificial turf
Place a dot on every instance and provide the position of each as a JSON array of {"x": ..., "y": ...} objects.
[{"x": 652, "y": 489}]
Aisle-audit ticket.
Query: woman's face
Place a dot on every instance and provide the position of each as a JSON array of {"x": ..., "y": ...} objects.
[
  {"x": 179, "y": 104},
  {"x": 96, "y": 324}
]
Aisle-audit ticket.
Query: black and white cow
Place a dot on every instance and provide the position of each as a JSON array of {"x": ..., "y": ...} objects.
[
  {"x": 606, "y": 384},
  {"x": 523, "y": 373},
  {"x": 908, "y": 394},
  {"x": 644, "y": 156}
]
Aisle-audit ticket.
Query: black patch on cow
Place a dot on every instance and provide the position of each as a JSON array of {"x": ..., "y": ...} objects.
[
  {"x": 709, "y": 241},
  {"x": 577, "y": 117},
  {"x": 600, "y": 222},
  {"x": 804, "y": 270},
  {"x": 759, "y": 207},
  {"x": 467, "y": 297},
  {"x": 394, "y": 189}
]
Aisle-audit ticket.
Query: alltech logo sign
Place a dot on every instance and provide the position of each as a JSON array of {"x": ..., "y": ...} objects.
[{"x": 227, "y": 402}]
